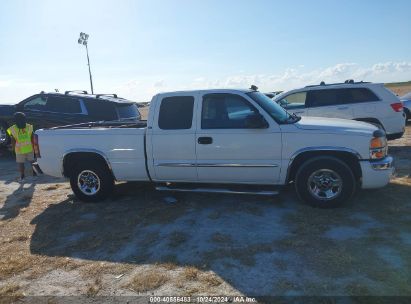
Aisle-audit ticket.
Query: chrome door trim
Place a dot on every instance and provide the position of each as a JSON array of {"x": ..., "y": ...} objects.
[{"x": 213, "y": 165}]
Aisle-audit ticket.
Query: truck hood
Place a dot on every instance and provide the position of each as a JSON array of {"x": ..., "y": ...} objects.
[{"x": 331, "y": 125}]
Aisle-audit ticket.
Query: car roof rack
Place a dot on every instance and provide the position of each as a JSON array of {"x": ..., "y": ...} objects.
[
  {"x": 100, "y": 95},
  {"x": 75, "y": 91},
  {"x": 253, "y": 88},
  {"x": 348, "y": 81}
]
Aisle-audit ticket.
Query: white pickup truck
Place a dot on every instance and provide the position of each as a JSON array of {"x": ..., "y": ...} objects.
[{"x": 230, "y": 141}]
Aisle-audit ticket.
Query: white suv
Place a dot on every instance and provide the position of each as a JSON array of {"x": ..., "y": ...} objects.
[{"x": 362, "y": 101}]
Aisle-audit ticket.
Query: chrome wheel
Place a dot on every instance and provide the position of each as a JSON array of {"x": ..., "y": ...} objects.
[
  {"x": 325, "y": 184},
  {"x": 88, "y": 182}
]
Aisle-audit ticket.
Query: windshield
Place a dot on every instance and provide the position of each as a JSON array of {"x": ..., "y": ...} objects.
[
  {"x": 278, "y": 113},
  {"x": 127, "y": 111}
]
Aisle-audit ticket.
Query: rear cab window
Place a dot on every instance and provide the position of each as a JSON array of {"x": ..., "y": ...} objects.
[{"x": 176, "y": 113}]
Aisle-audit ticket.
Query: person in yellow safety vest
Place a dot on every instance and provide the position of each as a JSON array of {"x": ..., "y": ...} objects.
[{"x": 22, "y": 140}]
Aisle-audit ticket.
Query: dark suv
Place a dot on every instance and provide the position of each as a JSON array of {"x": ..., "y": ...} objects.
[{"x": 47, "y": 110}]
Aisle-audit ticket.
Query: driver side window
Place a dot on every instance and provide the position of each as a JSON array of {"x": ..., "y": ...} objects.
[
  {"x": 294, "y": 101},
  {"x": 37, "y": 103},
  {"x": 225, "y": 111}
]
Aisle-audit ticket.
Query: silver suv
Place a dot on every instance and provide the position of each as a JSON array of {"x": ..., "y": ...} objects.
[{"x": 362, "y": 101}]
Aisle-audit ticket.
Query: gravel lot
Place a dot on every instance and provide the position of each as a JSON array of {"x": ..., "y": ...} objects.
[{"x": 137, "y": 243}]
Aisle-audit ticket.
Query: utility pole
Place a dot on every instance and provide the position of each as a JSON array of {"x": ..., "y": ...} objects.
[{"x": 83, "y": 40}]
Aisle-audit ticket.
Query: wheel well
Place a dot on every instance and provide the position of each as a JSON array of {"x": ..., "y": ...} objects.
[
  {"x": 371, "y": 120},
  {"x": 72, "y": 159},
  {"x": 349, "y": 158}
]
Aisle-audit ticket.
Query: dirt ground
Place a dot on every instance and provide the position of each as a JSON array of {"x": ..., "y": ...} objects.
[
  {"x": 400, "y": 88},
  {"x": 138, "y": 242}
]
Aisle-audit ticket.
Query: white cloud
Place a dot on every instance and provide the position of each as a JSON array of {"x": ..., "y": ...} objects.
[{"x": 142, "y": 89}]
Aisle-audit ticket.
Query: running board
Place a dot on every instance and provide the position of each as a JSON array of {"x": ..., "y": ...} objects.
[{"x": 217, "y": 190}]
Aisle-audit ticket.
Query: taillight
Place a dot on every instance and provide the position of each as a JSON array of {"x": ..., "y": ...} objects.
[
  {"x": 36, "y": 145},
  {"x": 397, "y": 107}
]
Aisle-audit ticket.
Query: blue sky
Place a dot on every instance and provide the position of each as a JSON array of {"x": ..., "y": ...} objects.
[{"x": 138, "y": 48}]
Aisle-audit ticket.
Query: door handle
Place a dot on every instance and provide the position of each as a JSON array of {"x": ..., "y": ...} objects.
[
  {"x": 205, "y": 140},
  {"x": 299, "y": 112},
  {"x": 342, "y": 108}
]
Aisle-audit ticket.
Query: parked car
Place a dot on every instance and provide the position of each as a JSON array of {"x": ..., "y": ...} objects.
[
  {"x": 406, "y": 101},
  {"x": 362, "y": 101},
  {"x": 47, "y": 110},
  {"x": 213, "y": 140}
]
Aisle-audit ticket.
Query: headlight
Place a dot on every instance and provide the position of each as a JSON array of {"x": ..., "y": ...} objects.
[{"x": 378, "y": 147}]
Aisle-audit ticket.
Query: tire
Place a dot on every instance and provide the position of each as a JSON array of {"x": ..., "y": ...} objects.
[
  {"x": 407, "y": 114},
  {"x": 4, "y": 137},
  {"x": 325, "y": 182},
  {"x": 96, "y": 179}
]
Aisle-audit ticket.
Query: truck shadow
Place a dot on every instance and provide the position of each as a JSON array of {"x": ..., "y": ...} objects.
[{"x": 253, "y": 244}]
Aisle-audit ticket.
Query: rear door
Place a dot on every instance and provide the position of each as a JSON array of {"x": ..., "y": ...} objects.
[
  {"x": 172, "y": 138},
  {"x": 329, "y": 103},
  {"x": 364, "y": 102},
  {"x": 228, "y": 151}
]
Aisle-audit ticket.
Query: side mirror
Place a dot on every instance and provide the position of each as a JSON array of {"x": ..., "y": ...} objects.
[{"x": 256, "y": 121}]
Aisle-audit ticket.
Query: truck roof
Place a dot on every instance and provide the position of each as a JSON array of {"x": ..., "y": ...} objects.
[{"x": 211, "y": 91}]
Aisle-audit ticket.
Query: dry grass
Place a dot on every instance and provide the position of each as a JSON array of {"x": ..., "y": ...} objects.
[
  {"x": 167, "y": 265},
  {"x": 94, "y": 288},
  {"x": 92, "y": 270},
  {"x": 14, "y": 264},
  {"x": 10, "y": 293},
  {"x": 210, "y": 280},
  {"x": 190, "y": 273},
  {"x": 148, "y": 280},
  {"x": 52, "y": 187}
]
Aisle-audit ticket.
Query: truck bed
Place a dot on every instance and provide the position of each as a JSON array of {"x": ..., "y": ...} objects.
[{"x": 120, "y": 143}]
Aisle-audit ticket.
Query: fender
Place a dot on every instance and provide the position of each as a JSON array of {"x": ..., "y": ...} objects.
[
  {"x": 319, "y": 149},
  {"x": 86, "y": 150}
]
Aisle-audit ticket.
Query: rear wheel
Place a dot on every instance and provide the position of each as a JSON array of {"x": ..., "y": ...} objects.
[
  {"x": 325, "y": 182},
  {"x": 91, "y": 182}
]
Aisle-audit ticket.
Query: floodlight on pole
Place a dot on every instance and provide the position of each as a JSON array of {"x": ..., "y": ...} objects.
[{"x": 83, "y": 39}]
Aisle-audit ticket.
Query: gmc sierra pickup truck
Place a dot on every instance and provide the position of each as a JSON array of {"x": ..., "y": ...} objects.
[{"x": 228, "y": 141}]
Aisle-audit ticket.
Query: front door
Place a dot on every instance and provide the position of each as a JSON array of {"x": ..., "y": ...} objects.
[
  {"x": 229, "y": 151},
  {"x": 294, "y": 103}
]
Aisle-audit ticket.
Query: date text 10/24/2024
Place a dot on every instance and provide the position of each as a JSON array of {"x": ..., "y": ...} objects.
[{"x": 202, "y": 299}]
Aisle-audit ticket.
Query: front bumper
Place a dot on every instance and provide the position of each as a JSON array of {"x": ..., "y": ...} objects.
[{"x": 376, "y": 173}]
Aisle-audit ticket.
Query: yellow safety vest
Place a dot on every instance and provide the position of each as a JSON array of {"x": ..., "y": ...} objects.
[{"x": 22, "y": 138}]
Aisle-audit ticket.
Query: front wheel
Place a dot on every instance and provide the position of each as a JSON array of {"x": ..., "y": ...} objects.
[
  {"x": 91, "y": 182},
  {"x": 325, "y": 182}
]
